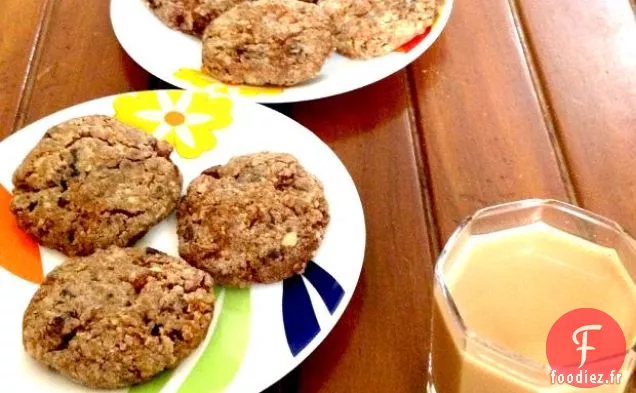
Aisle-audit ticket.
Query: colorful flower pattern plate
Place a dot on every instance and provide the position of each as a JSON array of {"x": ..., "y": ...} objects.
[
  {"x": 259, "y": 334},
  {"x": 175, "y": 57}
]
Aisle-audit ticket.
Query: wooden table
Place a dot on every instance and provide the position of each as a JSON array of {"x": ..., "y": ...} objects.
[{"x": 519, "y": 98}]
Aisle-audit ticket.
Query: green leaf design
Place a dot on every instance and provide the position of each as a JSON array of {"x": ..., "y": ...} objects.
[{"x": 222, "y": 357}]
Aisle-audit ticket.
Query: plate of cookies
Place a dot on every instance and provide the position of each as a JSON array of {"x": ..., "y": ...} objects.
[
  {"x": 277, "y": 51},
  {"x": 170, "y": 241}
]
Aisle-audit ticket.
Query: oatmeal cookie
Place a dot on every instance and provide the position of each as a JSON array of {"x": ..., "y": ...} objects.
[
  {"x": 268, "y": 42},
  {"x": 93, "y": 182},
  {"x": 370, "y": 28},
  {"x": 118, "y": 317},
  {"x": 257, "y": 219},
  {"x": 190, "y": 16}
]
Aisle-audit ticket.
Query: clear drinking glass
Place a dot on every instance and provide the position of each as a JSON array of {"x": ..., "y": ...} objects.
[{"x": 472, "y": 350}]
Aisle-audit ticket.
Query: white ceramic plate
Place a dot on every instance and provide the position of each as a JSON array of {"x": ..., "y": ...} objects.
[
  {"x": 257, "y": 335},
  {"x": 175, "y": 57}
]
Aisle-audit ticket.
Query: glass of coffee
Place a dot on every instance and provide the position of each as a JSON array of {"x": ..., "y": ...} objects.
[{"x": 532, "y": 297}]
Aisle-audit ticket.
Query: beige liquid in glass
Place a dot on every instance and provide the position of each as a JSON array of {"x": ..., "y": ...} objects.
[{"x": 510, "y": 287}]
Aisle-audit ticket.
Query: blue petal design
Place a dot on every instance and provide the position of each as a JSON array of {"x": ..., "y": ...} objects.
[
  {"x": 299, "y": 318},
  {"x": 327, "y": 287}
]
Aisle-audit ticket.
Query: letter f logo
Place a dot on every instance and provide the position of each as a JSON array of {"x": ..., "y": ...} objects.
[{"x": 583, "y": 344}]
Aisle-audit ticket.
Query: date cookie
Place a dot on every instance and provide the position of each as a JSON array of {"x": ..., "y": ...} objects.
[
  {"x": 190, "y": 16},
  {"x": 371, "y": 28},
  {"x": 257, "y": 219},
  {"x": 118, "y": 317},
  {"x": 93, "y": 182},
  {"x": 268, "y": 42}
]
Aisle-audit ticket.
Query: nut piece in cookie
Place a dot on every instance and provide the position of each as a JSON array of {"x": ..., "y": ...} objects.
[
  {"x": 190, "y": 16},
  {"x": 268, "y": 42},
  {"x": 93, "y": 182},
  {"x": 118, "y": 317},
  {"x": 370, "y": 28},
  {"x": 257, "y": 219}
]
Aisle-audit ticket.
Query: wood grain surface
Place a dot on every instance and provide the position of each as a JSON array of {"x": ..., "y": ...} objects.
[
  {"x": 586, "y": 58},
  {"x": 518, "y": 98},
  {"x": 380, "y": 345},
  {"x": 80, "y": 59},
  {"x": 20, "y": 30},
  {"x": 483, "y": 133}
]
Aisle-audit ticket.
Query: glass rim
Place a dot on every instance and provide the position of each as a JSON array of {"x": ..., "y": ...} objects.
[{"x": 455, "y": 315}]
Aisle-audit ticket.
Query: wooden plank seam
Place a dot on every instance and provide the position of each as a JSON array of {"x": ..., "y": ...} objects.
[
  {"x": 32, "y": 64},
  {"x": 415, "y": 120},
  {"x": 539, "y": 85}
]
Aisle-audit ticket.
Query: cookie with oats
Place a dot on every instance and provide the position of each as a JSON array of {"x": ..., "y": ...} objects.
[
  {"x": 268, "y": 42},
  {"x": 118, "y": 317},
  {"x": 257, "y": 219},
  {"x": 93, "y": 182},
  {"x": 190, "y": 16},
  {"x": 371, "y": 28}
]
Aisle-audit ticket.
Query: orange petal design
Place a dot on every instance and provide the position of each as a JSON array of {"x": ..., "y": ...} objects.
[
  {"x": 406, "y": 48},
  {"x": 19, "y": 254}
]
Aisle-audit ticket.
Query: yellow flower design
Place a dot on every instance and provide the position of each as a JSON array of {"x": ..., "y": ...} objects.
[
  {"x": 201, "y": 80},
  {"x": 186, "y": 120}
]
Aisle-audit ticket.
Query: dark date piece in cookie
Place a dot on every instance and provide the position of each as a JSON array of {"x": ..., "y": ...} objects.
[
  {"x": 93, "y": 182},
  {"x": 257, "y": 219},
  {"x": 118, "y": 317}
]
